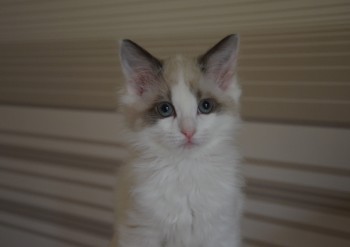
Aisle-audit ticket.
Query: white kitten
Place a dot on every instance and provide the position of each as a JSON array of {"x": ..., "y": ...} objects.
[{"x": 183, "y": 188}]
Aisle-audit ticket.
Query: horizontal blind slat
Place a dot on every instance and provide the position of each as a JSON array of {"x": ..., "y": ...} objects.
[
  {"x": 56, "y": 188},
  {"x": 285, "y": 235},
  {"x": 57, "y": 205},
  {"x": 298, "y": 215}
]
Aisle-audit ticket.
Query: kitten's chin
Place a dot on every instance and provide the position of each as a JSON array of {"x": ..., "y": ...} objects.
[
  {"x": 189, "y": 145},
  {"x": 179, "y": 147},
  {"x": 193, "y": 147}
]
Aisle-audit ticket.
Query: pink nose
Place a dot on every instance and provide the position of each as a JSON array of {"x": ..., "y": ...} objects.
[{"x": 188, "y": 133}]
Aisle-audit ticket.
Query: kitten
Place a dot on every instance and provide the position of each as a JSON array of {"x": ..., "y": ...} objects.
[{"x": 183, "y": 188}]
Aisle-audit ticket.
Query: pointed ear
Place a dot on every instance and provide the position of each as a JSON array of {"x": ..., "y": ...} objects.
[
  {"x": 140, "y": 68},
  {"x": 219, "y": 63}
]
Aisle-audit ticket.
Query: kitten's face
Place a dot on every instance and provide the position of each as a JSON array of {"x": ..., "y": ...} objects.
[{"x": 180, "y": 104}]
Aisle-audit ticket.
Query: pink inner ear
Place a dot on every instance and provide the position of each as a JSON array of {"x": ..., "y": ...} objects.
[
  {"x": 141, "y": 81},
  {"x": 141, "y": 89},
  {"x": 226, "y": 73},
  {"x": 225, "y": 78}
]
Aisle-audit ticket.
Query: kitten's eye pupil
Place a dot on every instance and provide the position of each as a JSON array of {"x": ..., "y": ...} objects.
[
  {"x": 206, "y": 106},
  {"x": 165, "y": 109}
]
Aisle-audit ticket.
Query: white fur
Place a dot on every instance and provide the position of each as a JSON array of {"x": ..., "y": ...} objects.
[{"x": 186, "y": 197}]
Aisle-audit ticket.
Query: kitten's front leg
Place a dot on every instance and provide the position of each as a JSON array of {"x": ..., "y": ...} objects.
[{"x": 136, "y": 236}]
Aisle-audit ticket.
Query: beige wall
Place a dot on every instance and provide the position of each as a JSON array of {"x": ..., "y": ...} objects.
[{"x": 59, "y": 135}]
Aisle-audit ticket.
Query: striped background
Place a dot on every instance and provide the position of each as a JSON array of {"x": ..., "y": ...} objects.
[{"x": 59, "y": 134}]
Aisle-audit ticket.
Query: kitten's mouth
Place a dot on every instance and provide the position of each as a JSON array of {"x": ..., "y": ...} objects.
[{"x": 189, "y": 144}]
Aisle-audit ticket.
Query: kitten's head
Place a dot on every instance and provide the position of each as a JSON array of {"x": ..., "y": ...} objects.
[{"x": 181, "y": 104}]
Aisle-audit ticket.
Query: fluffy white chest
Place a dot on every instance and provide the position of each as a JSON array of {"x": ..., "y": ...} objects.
[{"x": 188, "y": 197}]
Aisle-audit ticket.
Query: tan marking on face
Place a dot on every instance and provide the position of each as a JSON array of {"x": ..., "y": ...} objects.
[
  {"x": 142, "y": 113},
  {"x": 184, "y": 66}
]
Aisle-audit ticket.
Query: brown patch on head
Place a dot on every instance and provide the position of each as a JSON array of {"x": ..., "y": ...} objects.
[
  {"x": 142, "y": 113},
  {"x": 182, "y": 68}
]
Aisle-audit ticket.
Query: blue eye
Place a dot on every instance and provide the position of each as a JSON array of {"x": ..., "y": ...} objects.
[
  {"x": 206, "y": 106},
  {"x": 165, "y": 109}
]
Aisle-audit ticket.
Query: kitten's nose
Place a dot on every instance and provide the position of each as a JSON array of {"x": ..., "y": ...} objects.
[{"x": 188, "y": 133}]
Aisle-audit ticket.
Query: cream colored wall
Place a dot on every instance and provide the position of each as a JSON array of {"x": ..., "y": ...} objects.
[{"x": 59, "y": 136}]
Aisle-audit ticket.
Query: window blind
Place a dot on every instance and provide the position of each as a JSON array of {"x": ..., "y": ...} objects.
[
  {"x": 294, "y": 62},
  {"x": 59, "y": 132}
]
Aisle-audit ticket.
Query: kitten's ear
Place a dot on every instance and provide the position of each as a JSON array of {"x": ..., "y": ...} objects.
[
  {"x": 219, "y": 63},
  {"x": 140, "y": 68}
]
